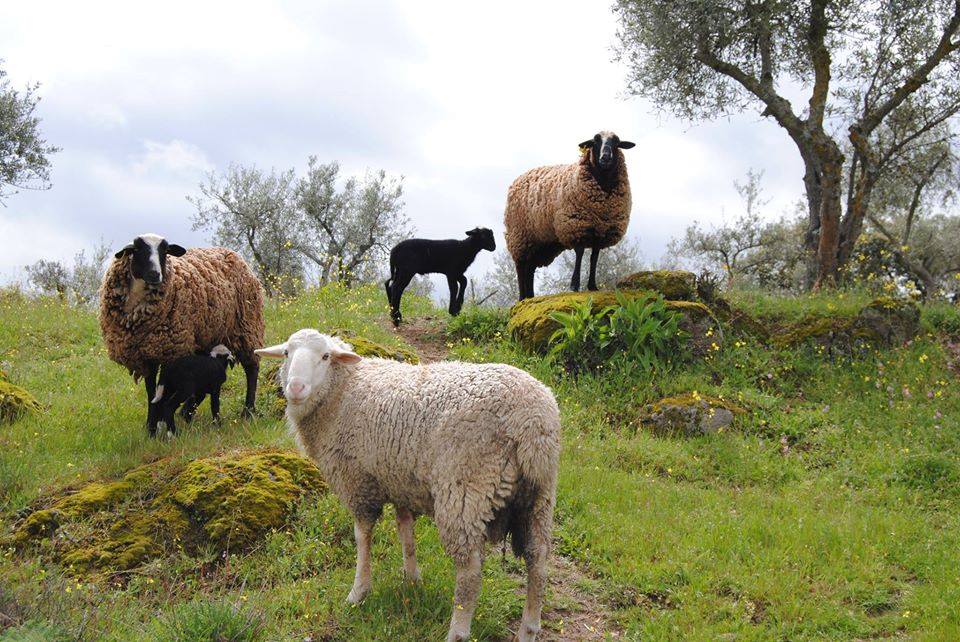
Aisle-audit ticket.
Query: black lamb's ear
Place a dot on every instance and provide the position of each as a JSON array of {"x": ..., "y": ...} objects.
[
  {"x": 472, "y": 232},
  {"x": 127, "y": 249},
  {"x": 625, "y": 144},
  {"x": 175, "y": 250}
]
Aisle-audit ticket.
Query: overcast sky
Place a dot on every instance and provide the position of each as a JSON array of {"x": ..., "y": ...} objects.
[{"x": 145, "y": 98}]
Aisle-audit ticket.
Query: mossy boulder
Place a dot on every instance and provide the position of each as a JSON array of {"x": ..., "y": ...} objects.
[
  {"x": 690, "y": 414},
  {"x": 884, "y": 321},
  {"x": 15, "y": 402},
  {"x": 890, "y": 321},
  {"x": 224, "y": 503},
  {"x": 674, "y": 285},
  {"x": 531, "y": 325}
]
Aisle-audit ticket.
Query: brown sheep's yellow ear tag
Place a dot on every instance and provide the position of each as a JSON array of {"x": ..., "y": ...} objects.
[{"x": 584, "y": 149}]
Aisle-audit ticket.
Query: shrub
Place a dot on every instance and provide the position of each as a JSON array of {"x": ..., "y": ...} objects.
[
  {"x": 641, "y": 330},
  {"x": 208, "y": 621},
  {"x": 479, "y": 324}
]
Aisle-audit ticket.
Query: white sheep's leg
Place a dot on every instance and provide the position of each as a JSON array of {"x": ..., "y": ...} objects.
[
  {"x": 362, "y": 532},
  {"x": 405, "y": 521},
  {"x": 535, "y": 556},
  {"x": 465, "y": 596}
]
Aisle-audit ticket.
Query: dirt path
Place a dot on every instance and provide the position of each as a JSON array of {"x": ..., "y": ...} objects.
[{"x": 426, "y": 336}]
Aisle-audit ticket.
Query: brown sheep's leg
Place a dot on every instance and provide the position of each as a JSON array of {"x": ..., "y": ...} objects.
[
  {"x": 251, "y": 369},
  {"x": 405, "y": 521},
  {"x": 528, "y": 279},
  {"x": 594, "y": 255},
  {"x": 150, "y": 381},
  {"x": 575, "y": 279},
  {"x": 465, "y": 596},
  {"x": 521, "y": 278}
]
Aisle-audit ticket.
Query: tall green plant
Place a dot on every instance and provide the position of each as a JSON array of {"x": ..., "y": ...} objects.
[{"x": 640, "y": 330}]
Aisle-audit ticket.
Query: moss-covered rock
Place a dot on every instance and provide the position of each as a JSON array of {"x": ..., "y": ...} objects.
[
  {"x": 15, "y": 402},
  {"x": 884, "y": 321},
  {"x": 223, "y": 503},
  {"x": 674, "y": 285},
  {"x": 690, "y": 414},
  {"x": 531, "y": 325},
  {"x": 890, "y": 321}
]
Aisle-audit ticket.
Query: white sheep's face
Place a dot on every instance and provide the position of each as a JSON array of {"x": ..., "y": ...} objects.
[{"x": 308, "y": 369}]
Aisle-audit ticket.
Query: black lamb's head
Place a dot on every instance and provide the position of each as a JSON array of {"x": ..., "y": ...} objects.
[{"x": 484, "y": 236}]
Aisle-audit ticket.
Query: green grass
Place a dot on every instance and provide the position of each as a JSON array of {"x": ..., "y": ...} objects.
[{"x": 830, "y": 512}]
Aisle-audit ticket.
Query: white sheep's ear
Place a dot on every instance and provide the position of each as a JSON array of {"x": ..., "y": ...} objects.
[
  {"x": 345, "y": 356},
  {"x": 278, "y": 351}
]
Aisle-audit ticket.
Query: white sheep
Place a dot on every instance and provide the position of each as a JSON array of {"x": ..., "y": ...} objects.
[{"x": 475, "y": 446}]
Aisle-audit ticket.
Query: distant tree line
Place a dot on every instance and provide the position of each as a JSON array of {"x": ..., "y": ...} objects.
[{"x": 290, "y": 228}]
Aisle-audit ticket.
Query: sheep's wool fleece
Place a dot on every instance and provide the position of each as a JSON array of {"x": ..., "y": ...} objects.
[
  {"x": 453, "y": 440},
  {"x": 209, "y": 296},
  {"x": 558, "y": 207}
]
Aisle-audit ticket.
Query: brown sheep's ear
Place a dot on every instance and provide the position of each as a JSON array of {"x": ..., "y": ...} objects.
[
  {"x": 127, "y": 249},
  {"x": 175, "y": 250},
  {"x": 625, "y": 144},
  {"x": 587, "y": 143}
]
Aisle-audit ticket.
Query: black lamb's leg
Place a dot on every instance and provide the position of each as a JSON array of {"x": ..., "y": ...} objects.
[
  {"x": 594, "y": 255},
  {"x": 251, "y": 369},
  {"x": 150, "y": 381},
  {"x": 452, "y": 283},
  {"x": 462, "y": 282},
  {"x": 575, "y": 279},
  {"x": 215, "y": 404},
  {"x": 400, "y": 283},
  {"x": 388, "y": 286}
]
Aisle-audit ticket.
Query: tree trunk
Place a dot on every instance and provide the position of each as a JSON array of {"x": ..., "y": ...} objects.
[
  {"x": 811, "y": 183},
  {"x": 830, "y": 211}
]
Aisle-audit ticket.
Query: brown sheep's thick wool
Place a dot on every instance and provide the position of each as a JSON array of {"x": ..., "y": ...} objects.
[
  {"x": 559, "y": 207},
  {"x": 209, "y": 296}
]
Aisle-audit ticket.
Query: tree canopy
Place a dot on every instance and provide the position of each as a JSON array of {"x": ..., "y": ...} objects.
[
  {"x": 24, "y": 153},
  {"x": 851, "y": 66}
]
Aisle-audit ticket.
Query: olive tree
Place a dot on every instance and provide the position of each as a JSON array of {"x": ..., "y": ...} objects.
[
  {"x": 24, "y": 153},
  {"x": 853, "y": 65}
]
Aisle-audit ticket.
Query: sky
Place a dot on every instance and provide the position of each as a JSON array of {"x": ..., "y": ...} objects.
[{"x": 459, "y": 99}]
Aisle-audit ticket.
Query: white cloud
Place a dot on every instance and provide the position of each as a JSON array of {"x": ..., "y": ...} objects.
[{"x": 460, "y": 99}]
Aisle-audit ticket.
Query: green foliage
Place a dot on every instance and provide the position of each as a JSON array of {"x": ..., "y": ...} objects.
[
  {"x": 641, "y": 330},
  {"x": 479, "y": 323},
  {"x": 829, "y": 512},
  {"x": 208, "y": 621},
  {"x": 24, "y": 153}
]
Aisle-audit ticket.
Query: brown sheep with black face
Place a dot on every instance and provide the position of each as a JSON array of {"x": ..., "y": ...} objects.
[
  {"x": 577, "y": 206},
  {"x": 160, "y": 302}
]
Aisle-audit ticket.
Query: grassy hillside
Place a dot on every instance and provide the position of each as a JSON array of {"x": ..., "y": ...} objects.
[{"x": 830, "y": 510}]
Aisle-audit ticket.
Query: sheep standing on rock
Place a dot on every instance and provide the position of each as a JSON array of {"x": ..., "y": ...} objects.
[
  {"x": 159, "y": 302},
  {"x": 476, "y": 446},
  {"x": 451, "y": 257},
  {"x": 559, "y": 207}
]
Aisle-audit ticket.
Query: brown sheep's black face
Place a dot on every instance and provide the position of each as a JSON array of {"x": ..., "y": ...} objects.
[
  {"x": 148, "y": 260},
  {"x": 602, "y": 147}
]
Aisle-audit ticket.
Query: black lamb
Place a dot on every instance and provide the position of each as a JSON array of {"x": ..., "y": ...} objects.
[
  {"x": 451, "y": 257},
  {"x": 187, "y": 381}
]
